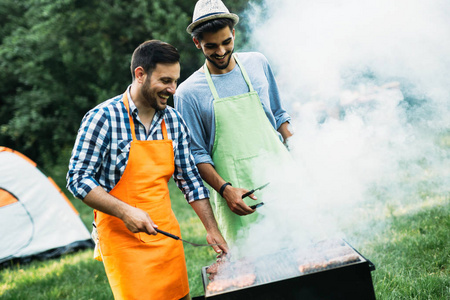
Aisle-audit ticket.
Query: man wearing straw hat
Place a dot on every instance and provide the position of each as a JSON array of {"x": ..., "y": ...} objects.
[{"x": 232, "y": 107}]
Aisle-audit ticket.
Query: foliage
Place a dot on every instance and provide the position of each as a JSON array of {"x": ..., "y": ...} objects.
[{"x": 58, "y": 59}]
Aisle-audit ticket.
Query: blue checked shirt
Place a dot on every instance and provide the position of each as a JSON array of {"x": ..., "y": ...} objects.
[{"x": 101, "y": 149}]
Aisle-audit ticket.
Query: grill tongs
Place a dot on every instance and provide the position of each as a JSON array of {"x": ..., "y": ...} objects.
[{"x": 178, "y": 238}]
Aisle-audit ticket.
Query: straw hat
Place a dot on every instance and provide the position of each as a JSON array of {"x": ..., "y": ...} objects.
[{"x": 206, "y": 10}]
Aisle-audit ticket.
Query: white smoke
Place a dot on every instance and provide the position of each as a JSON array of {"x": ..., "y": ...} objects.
[{"x": 368, "y": 86}]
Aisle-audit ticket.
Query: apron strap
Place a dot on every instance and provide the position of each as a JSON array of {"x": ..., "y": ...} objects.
[
  {"x": 211, "y": 84},
  {"x": 244, "y": 73},
  {"x": 127, "y": 106},
  {"x": 130, "y": 117},
  {"x": 164, "y": 130}
]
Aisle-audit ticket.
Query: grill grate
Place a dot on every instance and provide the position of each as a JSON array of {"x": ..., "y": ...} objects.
[{"x": 288, "y": 264}]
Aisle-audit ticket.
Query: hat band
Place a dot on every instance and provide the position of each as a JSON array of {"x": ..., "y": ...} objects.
[{"x": 211, "y": 14}]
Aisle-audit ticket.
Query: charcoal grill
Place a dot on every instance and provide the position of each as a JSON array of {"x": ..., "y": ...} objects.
[{"x": 324, "y": 275}]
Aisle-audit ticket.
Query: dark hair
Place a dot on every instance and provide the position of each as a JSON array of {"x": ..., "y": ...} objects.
[
  {"x": 211, "y": 26},
  {"x": 152, "y": 52}
]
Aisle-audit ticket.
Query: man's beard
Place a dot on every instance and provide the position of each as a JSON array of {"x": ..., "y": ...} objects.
[
  {"x": 148, "y": 95},
  {"x": 220, "y": 67}
]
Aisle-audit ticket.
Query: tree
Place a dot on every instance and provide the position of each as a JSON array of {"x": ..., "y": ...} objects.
[{"x": 60, "y": 58}]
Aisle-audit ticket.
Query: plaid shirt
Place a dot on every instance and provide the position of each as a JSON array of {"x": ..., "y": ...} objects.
[{"x": 101, "y": 149}]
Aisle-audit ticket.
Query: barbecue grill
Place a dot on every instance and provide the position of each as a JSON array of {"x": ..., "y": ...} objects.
[{"x": 328, "y": 270}]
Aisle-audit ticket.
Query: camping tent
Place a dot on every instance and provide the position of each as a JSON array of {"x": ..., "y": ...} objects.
[{"x": 36, "y": 218}]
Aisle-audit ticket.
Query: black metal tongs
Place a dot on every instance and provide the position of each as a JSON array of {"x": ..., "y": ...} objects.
[
  {"x": 205, "y": 245},
  {"x": 251, "y": 192},
  {"x": 178, "y": 238}
]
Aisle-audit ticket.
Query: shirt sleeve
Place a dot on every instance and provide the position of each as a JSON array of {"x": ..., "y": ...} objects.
[
  {"x": 92, "y": 140},
  {"x": 200, "y": 137},
  {"x": 186, "y": 174},
  {"x": 276, "y": 105}
]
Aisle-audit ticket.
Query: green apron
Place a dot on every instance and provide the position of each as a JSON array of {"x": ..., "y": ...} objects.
[{"x": 246, "y": 147}]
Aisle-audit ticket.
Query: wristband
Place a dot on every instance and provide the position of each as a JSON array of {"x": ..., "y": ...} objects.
[{"x": 222, "y": 188}]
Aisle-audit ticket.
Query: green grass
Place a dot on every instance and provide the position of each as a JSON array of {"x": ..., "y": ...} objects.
[
  {"x": 411, "y": 256},
  {"x": 75, "y": 276}
]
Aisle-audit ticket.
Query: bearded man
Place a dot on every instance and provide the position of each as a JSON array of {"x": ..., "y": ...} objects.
[{"x": 126, "y": 150}]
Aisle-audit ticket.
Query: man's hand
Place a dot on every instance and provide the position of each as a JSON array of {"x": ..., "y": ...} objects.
[
  {"x": 217, "y": 238},
  {"x": 213, "y": 236},
  {"x": 285, "y": 131},
  {"x": 233, "y": 196},
  {"x": 137, "y": 220}
]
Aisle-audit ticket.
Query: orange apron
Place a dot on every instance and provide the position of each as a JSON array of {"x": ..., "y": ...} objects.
[{"x": 138, "y": 265}]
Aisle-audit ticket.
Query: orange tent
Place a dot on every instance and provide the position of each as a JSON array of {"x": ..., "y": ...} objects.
[{"x": 36, "y": 218}]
